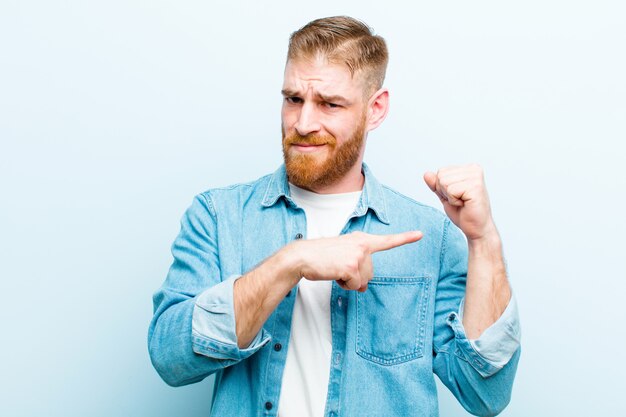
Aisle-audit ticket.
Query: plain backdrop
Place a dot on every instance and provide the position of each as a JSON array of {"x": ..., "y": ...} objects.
[{"x": 114, "y": 114}]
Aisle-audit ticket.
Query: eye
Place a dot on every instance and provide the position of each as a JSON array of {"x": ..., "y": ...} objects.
[
  {"x": 331, "y": 105},
  {"x": 293, "y": 100}
]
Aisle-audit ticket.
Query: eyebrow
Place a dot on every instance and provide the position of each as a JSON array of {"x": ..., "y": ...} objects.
[
  {"x": 324, "y": 97},
  {"x": 288, "y": 93}
]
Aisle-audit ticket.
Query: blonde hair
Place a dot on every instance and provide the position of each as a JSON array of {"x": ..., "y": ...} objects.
[{"x": 343, "y": 40}]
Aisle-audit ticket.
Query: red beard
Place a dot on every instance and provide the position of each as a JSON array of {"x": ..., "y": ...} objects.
[{"x": 314, "y": 171}]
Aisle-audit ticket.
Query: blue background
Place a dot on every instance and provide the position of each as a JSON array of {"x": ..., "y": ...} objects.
[{"x": 114, "y": 114}]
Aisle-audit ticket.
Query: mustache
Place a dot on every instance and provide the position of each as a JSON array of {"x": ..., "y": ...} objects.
[{"x": 310, "y": 140}]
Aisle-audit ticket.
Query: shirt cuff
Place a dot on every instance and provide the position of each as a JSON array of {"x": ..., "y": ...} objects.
[
  {"x": 500, "y": 341},
  {"x": 213, "y": 325}
]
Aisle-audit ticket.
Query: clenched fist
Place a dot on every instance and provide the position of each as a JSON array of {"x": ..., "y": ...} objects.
[{"x": 463, "y": 193}]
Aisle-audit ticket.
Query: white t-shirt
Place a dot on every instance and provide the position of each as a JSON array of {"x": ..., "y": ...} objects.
[{"x": 305, "y": 378}]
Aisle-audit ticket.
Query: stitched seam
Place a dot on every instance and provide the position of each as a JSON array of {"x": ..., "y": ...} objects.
[
  {"x": 444, "y": 243},
  {"x": 391, "y": 280},
  {"x": 444, "y": 239},
  {"x": 268, "y": 188},
  {"x": 209, "y": 201},
  {"x": 211, "y": 205}
]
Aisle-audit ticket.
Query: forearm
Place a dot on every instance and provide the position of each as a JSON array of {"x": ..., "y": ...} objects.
[
  {"x": 487, "y": 290},
  {"x": 257, "y": 294}
]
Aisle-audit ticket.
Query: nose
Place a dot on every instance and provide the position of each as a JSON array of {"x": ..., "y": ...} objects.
[{"x": 308, "y": 120}]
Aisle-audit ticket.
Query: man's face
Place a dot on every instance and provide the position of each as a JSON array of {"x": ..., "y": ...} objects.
[{"x": 323, "y": 122}]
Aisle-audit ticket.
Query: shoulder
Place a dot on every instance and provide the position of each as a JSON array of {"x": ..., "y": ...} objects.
[
  {"x": 399, "y": 204},
  {"x": 231, "y": 199},
  {"x": 237, "y": 190}
]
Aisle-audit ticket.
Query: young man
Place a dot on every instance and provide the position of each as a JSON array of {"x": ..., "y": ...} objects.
[{"x": 318, "y": 291}]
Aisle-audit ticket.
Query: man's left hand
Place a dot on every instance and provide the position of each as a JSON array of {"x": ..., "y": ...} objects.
[{"x": 463, "y": 193}]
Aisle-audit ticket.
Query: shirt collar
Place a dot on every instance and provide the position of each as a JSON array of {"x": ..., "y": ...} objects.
[{"x": 372, "y": 196}]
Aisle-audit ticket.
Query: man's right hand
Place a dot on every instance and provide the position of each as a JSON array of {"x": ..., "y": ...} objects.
[{"x": 346, "y": 258}]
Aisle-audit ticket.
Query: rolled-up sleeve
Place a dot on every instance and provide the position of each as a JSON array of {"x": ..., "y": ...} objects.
[
  {"x": 500, "y": 341},
  {"x": 213, "y": 325}
]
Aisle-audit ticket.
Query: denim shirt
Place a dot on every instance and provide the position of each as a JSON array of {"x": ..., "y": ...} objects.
[{"x": 387, "y": 342}]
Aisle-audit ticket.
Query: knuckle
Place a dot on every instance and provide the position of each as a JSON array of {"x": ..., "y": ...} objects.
[
  {"x": 367, "y": 277},
  {"x": 356, "y": 284},
  {"x": 361, "y": 249},
  {"x": 352, "y": 266},
  {"x": 350, "y": 282}
]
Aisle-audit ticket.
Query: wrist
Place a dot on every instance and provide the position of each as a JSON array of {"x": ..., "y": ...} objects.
[
  {"x": 290, "y": 263},
  {"x": 488, "y": 240}
]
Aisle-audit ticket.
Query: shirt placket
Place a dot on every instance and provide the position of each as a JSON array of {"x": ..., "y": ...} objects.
[
  {"x": 280, "y": 325},
  {"x": 339, "y": 299}
]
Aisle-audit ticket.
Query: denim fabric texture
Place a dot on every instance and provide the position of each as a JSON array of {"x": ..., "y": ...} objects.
[{"x": 388, "y": 342}]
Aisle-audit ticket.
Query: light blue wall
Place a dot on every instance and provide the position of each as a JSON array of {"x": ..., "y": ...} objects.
[{"x": 114, "y": 114}]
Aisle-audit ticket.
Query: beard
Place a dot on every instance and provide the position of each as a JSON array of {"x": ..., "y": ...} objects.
[{"x": 314, "y": 171}]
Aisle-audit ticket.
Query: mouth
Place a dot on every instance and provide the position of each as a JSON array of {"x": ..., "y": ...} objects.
[{"x": 306, "y": 147}]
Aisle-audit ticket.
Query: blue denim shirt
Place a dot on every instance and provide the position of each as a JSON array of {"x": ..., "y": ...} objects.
[{"x": 386, "y": 342}]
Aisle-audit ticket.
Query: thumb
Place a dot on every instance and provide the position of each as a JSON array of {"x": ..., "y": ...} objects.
[{"x": 431, "y": 180}]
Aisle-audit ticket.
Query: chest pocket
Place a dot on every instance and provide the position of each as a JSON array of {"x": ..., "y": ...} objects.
[{"x": 391, "y": 319}]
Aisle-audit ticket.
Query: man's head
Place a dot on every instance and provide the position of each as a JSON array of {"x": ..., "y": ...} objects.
[{"x": 333, "y": 97}]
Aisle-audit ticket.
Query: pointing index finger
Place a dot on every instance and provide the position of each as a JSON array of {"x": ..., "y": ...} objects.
[{"x": 379, "y": 243}]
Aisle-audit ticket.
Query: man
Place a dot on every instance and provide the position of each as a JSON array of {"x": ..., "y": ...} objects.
[{"x": 318, "y": 291}]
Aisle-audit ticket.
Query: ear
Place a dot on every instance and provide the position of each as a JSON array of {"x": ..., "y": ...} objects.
[{"x": 377, "y": 108}]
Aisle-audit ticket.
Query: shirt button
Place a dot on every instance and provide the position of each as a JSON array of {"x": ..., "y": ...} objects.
[
  {"x": 268, "y": 405},
  {"x": 278, "y": 347},
  {"x": 299, "y": 236},
  {"x": 339, "y": 301}
]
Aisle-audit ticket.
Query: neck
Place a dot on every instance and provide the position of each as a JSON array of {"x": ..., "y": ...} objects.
[{"x": 352, "y": 181}]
